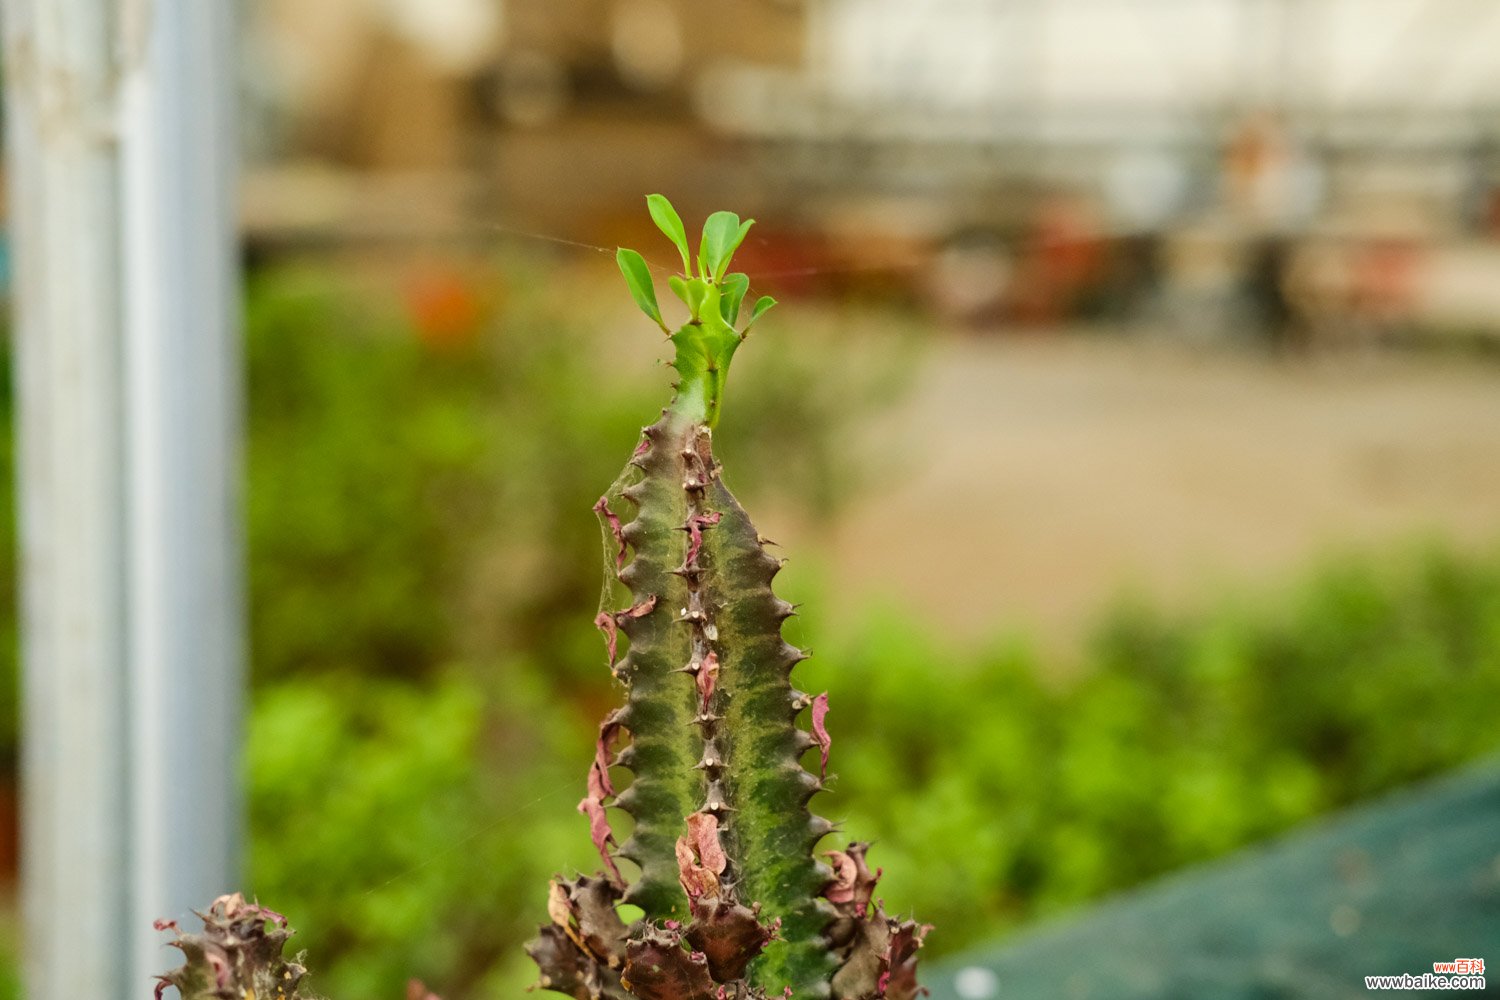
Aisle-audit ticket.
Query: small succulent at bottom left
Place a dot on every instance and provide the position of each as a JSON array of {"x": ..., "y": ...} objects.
[{"x": 238, "y": 956}]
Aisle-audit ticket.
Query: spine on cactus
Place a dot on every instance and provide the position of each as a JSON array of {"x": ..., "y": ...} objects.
[{"x": 733, "y": 896}]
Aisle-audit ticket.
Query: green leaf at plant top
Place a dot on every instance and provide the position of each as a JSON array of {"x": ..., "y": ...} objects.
[
  {"x": 670, "y": 223},
  {"x": 722, "y": 235},
  {"x": 697, "y": 295},
  {"x": 735, "y": 287},
  {"x": 693, "y": 292},
  {"x": 761, "y": 305},
  {"x": 638, "y": 277},
  {"x": 739, "y": 238}
]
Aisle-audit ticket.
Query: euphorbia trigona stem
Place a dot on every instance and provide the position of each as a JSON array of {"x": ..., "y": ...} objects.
[{"x": 734, "y": 898}]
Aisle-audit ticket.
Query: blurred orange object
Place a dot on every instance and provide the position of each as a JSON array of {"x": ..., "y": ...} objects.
[
  {"x": 1385, "y": 279},
  {"x": 445, "y": 307}
]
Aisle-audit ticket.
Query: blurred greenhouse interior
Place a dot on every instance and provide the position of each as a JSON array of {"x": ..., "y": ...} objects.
[{"x": 1130, "y": 420}]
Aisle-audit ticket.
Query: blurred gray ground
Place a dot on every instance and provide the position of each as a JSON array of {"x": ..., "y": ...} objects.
[
  {"x": 1026, "y": 481},
  {"x": 1383, "y": 890}
]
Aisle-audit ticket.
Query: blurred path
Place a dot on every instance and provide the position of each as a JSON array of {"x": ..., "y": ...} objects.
[{"x": 1063, "y": 472}]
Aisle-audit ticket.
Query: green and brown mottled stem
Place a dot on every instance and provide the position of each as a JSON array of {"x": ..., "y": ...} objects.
[{"x": 733, "y": 896}]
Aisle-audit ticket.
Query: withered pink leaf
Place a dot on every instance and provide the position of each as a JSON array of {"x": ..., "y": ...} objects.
[
  {"x": 266, "y": 913},
  {"x": 600, "y": 833},
  {"x": 700, "y": 856},
  {"x": 615, "y": 528},
  {"x": 605, "y": 622},
  {"x": 600, "y": 786},
  {"x": 703, "y": 833},
  {"x": 707, "y": 677},
  {"x": 228, "y": 905},
  {"x": 820, "y": 731},
  {"x": 841, "y": 890},
  {"x": 695, "y": 525},
  {"x": 220, "y": 966},
  {"x": 639, "y": 609},
  {"x": 608, "y": 622},
  {"x": 697, "y": 881},
  {"x": 853, "y": 883}
]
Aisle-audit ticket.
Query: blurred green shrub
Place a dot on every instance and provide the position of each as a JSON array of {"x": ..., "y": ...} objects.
[
  {"x": 1000, "y": 795},
  {"x": 407, "y": 826}
]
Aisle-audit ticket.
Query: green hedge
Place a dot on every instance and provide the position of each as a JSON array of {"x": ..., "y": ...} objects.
[{"x": 998, "y": 796}]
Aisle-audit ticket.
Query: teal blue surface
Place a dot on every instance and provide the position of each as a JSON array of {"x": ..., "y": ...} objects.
[{"x": 1384, "y": 889}]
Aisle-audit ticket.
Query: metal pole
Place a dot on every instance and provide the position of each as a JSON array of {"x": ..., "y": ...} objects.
[
  {"x": 182, "y": 420},
  {"x": 64, "y": 212},
  {"x": 120, "y": 171}
]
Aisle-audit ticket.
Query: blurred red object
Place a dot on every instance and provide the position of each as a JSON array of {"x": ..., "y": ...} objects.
[
  {"x": 1385, "y": 280},
  {"x": 1061, "y": 256},
  {"x": 445, "y": 307}
]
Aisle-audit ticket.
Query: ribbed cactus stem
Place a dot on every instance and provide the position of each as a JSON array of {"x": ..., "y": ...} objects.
[
  {"x": 735, "y": 901},
  {"x": 662, "y": 701}
]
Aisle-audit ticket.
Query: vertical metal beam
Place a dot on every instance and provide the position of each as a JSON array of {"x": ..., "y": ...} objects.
[
  {"x": 119, "y": 168},
  {"x": 64, "y": 212},
  {"x": 182, "y": 419}
]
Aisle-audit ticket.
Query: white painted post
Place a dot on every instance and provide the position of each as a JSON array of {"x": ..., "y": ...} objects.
[
  {"x": 120, "y": 170},
  {"x": 64, "y": 212},
  {"x": 182, "y": 411}
]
